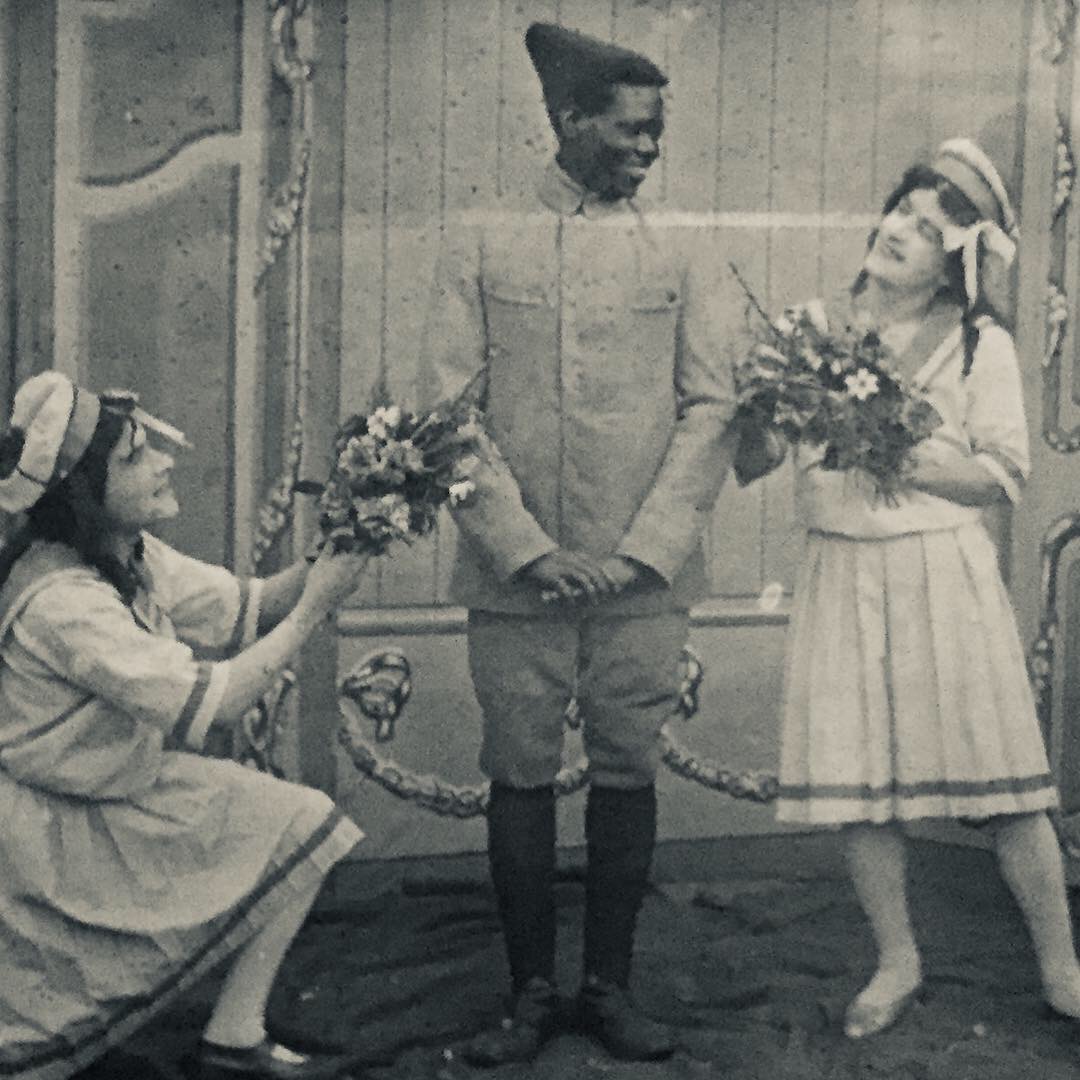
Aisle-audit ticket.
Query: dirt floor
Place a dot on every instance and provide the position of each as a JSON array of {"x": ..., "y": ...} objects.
[{"x": 749, "y": 947}]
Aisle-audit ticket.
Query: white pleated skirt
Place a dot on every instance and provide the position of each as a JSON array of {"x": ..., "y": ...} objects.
[{"x": 906, "y": 693}]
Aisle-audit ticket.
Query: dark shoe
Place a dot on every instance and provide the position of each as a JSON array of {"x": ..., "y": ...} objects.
[
  {"x": 608, "y": 1013},
  {"x": 521, "y": 1035},
  {"x": 268, "y": 1059}
]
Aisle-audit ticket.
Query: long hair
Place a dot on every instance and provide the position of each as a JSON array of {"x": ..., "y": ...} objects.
[
  {"x": 73, "y": 512},
  {"x": 960, "y": 211}
]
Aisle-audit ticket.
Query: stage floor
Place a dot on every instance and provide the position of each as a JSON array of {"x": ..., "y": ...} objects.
[{"x": 749, "y": 946}]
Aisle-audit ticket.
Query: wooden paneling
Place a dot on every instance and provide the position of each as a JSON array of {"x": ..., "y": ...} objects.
[
  {"x": 173, "y": 261},
  {"x": 787, "y": 123},
  {"x": 8, "y": 203},
  {"x": 416, "y": 133},
  {"x": 157, "y": 193},
  {"x": 128, "y": 126},
  {"x": 31, "y": 313}
]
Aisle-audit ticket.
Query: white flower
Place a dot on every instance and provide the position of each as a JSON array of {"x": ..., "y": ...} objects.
[
  {"x": 393, "y": 509},
  {"x": 862, "y": 384},
  {"x": 786, "y": 323},
  {"x": 389, "y": 415},
  {"x": 383, "y": 421},
  {"x": 396, "y": 510},
  {"x": 468, "y": 465},
  {"x": 472, "y": 429},
  {"x": 461, "y": 492},
  {"x": 411, "y": 456}
]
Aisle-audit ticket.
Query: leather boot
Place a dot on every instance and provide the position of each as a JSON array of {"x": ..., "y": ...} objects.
[
  {"x": 521, "y": 853},
  {"x": 620, "y": 834},
  {"x": 607, "y": 1013},
  {"x": 533, "y": 1019}
]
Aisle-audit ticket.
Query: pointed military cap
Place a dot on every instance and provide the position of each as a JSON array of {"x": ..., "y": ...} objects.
[{"x": 568, "y": 61}]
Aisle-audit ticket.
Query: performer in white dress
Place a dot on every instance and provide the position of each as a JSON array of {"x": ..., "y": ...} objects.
[
  {"x": 906, "y": 691},
  {"x": 130, "y": 865}
]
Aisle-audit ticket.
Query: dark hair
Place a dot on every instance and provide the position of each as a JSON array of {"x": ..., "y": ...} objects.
[
  {"x": 959, "y": 209},
  {"x": 73, "y": 512}
]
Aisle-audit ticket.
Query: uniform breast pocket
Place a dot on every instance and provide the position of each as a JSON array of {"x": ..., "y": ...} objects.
[
  {"x": 653, "y": 319},
  {"x": 520, "y": 317}
]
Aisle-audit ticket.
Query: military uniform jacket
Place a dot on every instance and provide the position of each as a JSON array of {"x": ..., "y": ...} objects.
[{"x": 608, "y": 394}]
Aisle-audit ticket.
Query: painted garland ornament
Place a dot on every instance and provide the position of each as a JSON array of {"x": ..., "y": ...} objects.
[{"x": 376, "y": 691}]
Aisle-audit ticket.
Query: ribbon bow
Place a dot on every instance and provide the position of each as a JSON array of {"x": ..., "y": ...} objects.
[{"x": 966, "y": 240}]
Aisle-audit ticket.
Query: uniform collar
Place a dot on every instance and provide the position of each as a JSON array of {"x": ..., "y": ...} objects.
[{"x": 560, "y": 192}]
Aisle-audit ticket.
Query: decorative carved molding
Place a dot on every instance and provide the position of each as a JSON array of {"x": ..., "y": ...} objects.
[
  {"x": 276, "y": 512},
  {"x": 257, "y": 738},
  {"x": 1060, "y": 17},
  {"x": 1064, "y": 168},
  {"x": 257, "y": 743},
  {"x": 377, "y": 690},
  {"x": 287, "y": 204},
  {"x": 284, "y": 213},
  {"x": 1057, "y": 319},
  {"x": 288, "y": 64},
  {"x": 1042, "y": 656}
]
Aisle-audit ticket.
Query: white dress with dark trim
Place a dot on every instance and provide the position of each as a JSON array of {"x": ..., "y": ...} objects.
[
  {"x": 906, "y": 692},
  {"x": 130, "y": 865}
]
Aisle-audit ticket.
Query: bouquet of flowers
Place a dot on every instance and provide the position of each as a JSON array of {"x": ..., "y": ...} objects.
[
  {"x": 392, "y": 471},
  {"x": 832, "y": 388}
]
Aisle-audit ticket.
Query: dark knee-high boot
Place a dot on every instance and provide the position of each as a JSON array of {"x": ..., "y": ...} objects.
[
  {"x": 620, "y": 834},
  {"x": 521, "y": 853}
]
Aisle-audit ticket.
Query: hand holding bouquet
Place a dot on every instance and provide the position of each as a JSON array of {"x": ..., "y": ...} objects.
[
  {"x": 831, "y": 388},
  {"x": 392, "y": 471}
]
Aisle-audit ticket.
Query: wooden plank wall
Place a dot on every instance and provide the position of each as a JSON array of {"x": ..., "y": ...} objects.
[{"x": 788, "y": 121}]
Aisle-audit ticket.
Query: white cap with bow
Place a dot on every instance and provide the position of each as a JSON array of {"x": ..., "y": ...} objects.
[{"x": 968, "y": 168}]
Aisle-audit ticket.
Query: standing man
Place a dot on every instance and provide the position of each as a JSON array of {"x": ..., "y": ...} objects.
[{"x": 608, "y": 403}]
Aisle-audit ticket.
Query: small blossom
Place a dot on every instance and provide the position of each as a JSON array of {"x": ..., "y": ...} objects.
[
  {"x": 468, "y": 465},
  {"x": 461, "y": 492},
  {"x": 393, "y": 510},
  {"x": 412, "y": 458},
  {"x": 397, "y": 512},
  {"x": 387, "y": 415},
  {"x": 382, "y": 422},
  {"x": 862, "y": 385},
  {"x": 786, "y": 323},
  {"x": 472, "y": 429}
]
